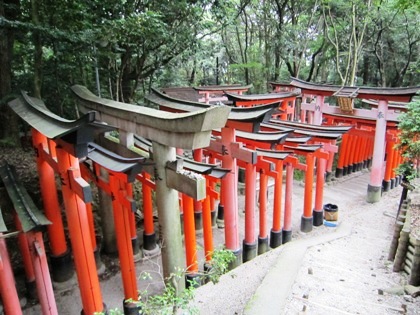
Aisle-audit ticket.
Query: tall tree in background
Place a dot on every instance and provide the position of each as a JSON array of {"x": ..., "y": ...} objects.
[
  {"x": 128, "y": 46},
  {"x": 346, "y": 24},
  {"x": 9, "y": 10}
]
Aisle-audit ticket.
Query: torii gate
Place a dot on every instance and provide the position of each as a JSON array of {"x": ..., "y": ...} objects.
[
  {"x": 324, "y": 153},
  {"x": 212, "y": 173},
  {"x": 72, "y": 138},
  {"x": 29, "y": 223},
  {"x": 167, "y": 131},
  {"x": 287, "y": 101},
  {"x": 246, "y": 119},
  {"x": 59, "y": 143},
  {"x": 381, "y": 114},
  {"x": 215, "y": 93}
]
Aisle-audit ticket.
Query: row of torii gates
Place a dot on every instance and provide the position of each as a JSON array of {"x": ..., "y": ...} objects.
[{"x": 259, "y": 134}]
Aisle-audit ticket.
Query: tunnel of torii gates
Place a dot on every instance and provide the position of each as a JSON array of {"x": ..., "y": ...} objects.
[
  {"x": 380, "y": 119},
  {"x": 374, "y": 130},
  {"x": 258, "y": 139}
]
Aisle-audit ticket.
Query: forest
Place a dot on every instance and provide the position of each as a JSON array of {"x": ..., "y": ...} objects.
[{"x": 120, "y": 49}]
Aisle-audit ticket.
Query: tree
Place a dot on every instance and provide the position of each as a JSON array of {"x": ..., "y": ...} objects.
[
  {"x": 346, "y": 24},
  {"x": 409, "y": 126},
  {"x": 395, "y": 45},
  {"x": 9, "y": 10},
  {"x": 147, "y": 36}
]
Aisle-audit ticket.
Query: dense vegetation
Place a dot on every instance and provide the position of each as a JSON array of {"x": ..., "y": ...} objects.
[{"x": 119, "y": 49}]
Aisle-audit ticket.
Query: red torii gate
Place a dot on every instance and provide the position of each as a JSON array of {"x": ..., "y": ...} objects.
[
  {"x": 166, "y": 131},
  {"x": 215, "y": 93},
  {"x": 286, "y": 100},
  {"x": 29, "y": 223},
  {"x": 246, "y": 119},
  {"x": 382, "y": 114},
  {"x": 71, "y": 140},
  {"x": 70, "y": 143},
  {"x": 252, "y": 160},
  {"x": 323, "y": 152}
]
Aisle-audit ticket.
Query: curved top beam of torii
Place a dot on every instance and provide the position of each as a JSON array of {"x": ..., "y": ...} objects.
[
  {"x": 222, "y": 88},
  {"x": 400, "y": 94},
  {"x": 35, "y": 113},
  {"x": 266, "y": 96},
  {"x": 75, "y": 132},
  {"x": 244, "y": 118},
  {"x": 179, "y": 130},
  {"x": 236, "y": 114}
]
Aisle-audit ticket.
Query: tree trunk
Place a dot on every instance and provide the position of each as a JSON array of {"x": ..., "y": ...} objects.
[
  {"x": 37, "y": 51},
  {"x": 9, "y": 127}
]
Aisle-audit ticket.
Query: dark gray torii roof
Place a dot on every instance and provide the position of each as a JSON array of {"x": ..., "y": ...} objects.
[
  {"x": 76, "y": 132},
  {"x": 115, "y": 162},
  {"x": 222, "y": 88},
  {"x": 274, "y": 154},
  {"x": 303, "y": 131},
  {"x": 243, "y": 114},
  {"x": 401, "y": 94},
  {"x": 258, "y": 97},
  {"x": 268, "y": 137},
  {"x": 30, "y": 217},
  {"x": 320, "y": 128}
]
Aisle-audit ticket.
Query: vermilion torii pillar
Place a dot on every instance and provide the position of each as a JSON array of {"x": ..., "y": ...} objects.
[
  {"x": 290, "y": 162},
  {"x": 60, "y": 256},
  {"x": 228, "y": 198},
  {"x": 120, "y": 192},
  {"x": 249, "y": 242},
  {"x": 318, "y": 213},
  {"x": 276, "y": 158},
  {"x": 84, "y": 259},
  {"x": 311, "y": 152},
  {"x": 375, "y": 184},
  {"x": 8, "y": 291},
  {"x": 229, "y": 151}
]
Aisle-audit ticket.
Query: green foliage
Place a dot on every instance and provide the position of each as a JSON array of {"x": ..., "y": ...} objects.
[
  {"x": 170, "y": 301},
  {"x": 221, "y": 260},
  {"x": 134, "y": 45},
  {"x": 409, "y": 126}
]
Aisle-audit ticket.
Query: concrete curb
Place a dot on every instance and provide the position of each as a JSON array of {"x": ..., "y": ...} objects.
[{"x": 272, "y": 294}]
